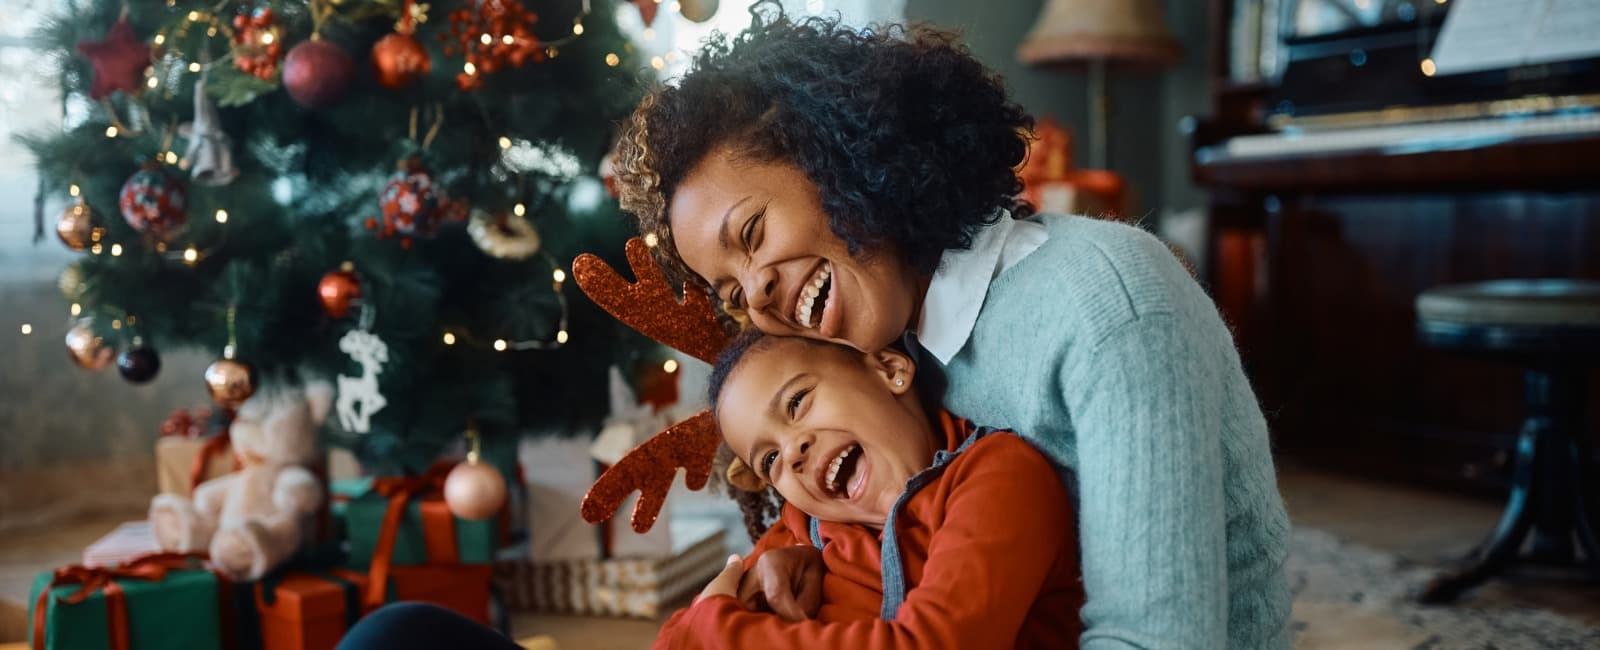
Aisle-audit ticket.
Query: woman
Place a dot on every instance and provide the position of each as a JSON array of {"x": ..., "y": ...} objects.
[{"x": 858, "y": 188}]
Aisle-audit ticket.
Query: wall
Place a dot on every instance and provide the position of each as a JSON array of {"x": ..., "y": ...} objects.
[{"x": 1145, "y": 145}]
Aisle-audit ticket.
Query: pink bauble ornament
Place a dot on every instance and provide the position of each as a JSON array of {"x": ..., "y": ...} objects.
[
  {"x": 474, "y": 490},
  {"x": 317, "y": 73}
]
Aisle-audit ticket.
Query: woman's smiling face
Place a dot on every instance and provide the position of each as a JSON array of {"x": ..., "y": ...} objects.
[
  {"x": 837, "y": 432},
  {"x": 756, "y": 232}
]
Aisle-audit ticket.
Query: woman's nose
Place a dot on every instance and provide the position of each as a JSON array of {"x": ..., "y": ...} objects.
[{"x": 762, "y": 288}]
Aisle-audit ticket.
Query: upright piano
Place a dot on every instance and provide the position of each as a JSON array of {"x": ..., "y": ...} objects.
[{"x": 1369, "y": 171}]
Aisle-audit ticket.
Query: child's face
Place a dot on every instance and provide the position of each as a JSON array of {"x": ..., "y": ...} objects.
[{"x": 837, "y": 432}]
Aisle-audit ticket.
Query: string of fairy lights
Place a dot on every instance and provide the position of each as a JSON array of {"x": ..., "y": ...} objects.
[{"x": 164, "y": 75}]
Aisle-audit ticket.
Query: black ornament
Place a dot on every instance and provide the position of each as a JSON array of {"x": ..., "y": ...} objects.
[{"x": 138, "y": 365}]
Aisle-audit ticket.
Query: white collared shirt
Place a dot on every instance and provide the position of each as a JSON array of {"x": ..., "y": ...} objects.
[{"x": 955, "y": 295}]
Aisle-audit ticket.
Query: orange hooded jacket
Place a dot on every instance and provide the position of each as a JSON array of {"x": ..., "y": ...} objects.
[{"x": 990, "y": 560}]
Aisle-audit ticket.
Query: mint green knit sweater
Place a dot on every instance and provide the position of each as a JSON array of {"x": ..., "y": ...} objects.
[{"x": 1101, "y": 348}]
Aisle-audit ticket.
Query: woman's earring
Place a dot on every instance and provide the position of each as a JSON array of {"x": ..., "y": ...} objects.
[{"x": 900, "y": 382}]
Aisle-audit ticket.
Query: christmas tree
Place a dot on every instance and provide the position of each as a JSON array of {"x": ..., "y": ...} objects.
[{"x": 379, "y": 191}]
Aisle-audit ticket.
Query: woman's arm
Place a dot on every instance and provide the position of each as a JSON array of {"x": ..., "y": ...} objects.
[
  {"x": 1005, "y": 523},
  {"x": 1151, "y": 511}
]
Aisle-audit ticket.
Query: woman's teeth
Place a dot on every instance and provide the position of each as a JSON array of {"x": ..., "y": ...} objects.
[
  {"x": 848, "y": 454},
  {"x": 808, "y": 296}
]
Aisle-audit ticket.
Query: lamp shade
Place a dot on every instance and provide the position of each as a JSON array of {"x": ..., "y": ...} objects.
[{"x": 1132, "y": 31}]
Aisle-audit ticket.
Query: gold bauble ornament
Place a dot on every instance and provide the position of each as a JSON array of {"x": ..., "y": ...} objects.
[
  {"x": 507, "y": 236},
  {"x": 697, "y": 10},
  {"x": 230, "y": 382},
  {"x": 88, "y": 349},
  {"x": 77, "y": 228}
]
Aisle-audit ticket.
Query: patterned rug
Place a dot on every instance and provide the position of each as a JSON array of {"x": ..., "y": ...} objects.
[{"x": 1349, "y": 596}]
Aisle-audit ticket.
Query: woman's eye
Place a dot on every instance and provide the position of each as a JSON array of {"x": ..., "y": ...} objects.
[
  {"x": 750, "y": 230},
  {"x": 757, "y": 229},
  {"x": 767, "y": 461},
  {"x": 736, "y": 299},
  {"x": 794, "y": 401}
]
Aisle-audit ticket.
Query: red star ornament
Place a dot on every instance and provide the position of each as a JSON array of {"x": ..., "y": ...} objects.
[
  {"x": 119, "y": 61},
  {"x": 647, "y": 10}
]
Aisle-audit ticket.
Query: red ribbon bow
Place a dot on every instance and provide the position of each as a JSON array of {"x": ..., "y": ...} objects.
[
  {"x": 91, "y": 580},
  {"x": 400, "y": 490}
]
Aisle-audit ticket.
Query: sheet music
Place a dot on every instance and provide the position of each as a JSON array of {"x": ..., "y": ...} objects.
[{"x": 1490, "y": 34}]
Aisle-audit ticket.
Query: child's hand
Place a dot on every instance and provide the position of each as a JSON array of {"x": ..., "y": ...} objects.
[
  {"x": 727, "y": 582},
  {"x": 786, "y": 581}
]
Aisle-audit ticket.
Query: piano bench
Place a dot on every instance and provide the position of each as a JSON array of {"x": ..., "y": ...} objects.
[{"x": 1551, "y": 329}]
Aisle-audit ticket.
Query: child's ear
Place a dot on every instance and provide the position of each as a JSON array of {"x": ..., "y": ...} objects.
[
  {"x": 895, "y": 368},
  {"x": 741, "y": 476}
]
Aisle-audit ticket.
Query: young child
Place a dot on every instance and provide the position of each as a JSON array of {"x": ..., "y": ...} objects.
[{"x": 934, "y": 533}]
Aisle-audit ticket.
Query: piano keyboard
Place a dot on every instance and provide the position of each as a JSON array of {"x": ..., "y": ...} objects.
[{"x": 1398, "y": 139}]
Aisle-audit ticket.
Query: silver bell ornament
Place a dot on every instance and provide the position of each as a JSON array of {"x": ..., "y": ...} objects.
[{"x": 209, "y": 157}]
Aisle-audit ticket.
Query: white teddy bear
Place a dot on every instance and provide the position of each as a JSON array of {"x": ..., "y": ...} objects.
[{"x": 255, "y": 518}]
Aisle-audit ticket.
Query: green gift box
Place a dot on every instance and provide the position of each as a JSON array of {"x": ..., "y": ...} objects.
[
  {"x": 146, "y": 603},
  {"x": 427, "y": 532}
]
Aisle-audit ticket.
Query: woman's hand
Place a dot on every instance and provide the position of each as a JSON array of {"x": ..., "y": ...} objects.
[
  {"x": 727, "y": 582},
  {"x": 786, "y": 581}
]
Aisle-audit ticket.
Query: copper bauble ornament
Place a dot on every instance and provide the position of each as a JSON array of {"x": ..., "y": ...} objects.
[
  {"x": 139, "y": 364},
  {"x": 338, "y": 290},
  {"x": 697, "y": 10},
  {"x": 474, "y": 490},
  {"x": 399, "y": 59},
  {"x": 230, "y": 382},
  {"x": 317, "y": 73},
  {"x": 77, "y": 228},
  {"x": 88, "y": 349}
]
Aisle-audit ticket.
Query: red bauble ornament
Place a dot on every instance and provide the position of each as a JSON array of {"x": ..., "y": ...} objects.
[
  {"x": 410, "y": 203},
  {"x": 317, "y": 73},
  {"x": 399, "y": 59},
  {"x": 339, "y": 290},
  {"x": 474, "y": 490},
  {"x": 153, "y": 201},
  {"x": 119, "y": 61}
]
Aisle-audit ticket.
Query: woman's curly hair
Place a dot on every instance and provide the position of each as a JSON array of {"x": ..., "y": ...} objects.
[{"x": 912, "y": 142}]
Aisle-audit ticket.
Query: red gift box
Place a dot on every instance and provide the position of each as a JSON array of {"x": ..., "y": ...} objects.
[
  {"x": 308, "y": 610},
  {"x": 463, "y": 588}
]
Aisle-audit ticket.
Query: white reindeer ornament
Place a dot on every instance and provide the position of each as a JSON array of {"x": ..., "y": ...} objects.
[{"x": 358, "y": 396}]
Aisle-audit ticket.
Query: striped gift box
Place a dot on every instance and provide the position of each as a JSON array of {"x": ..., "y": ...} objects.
[
  {"x": 624, "y": 587},
  {"x": 130, "y": 540}
]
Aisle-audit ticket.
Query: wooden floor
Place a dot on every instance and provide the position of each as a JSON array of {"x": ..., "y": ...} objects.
[{"x": 1414, "y": 523}]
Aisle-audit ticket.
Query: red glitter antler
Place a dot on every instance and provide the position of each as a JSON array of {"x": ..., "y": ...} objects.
[
  {"x": 650, "y": 306},
  {"x": 690, "y": 326}
]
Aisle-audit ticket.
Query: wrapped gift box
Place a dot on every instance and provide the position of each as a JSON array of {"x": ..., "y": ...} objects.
[
  {"x": 628, "y": 587},
  {"x": 462, "y": 588},
  {"x": 128, "y": 541},
  {"x": 137, "y": 605},
  {"x": 307, "y": 610},
  {"x": 176, "y": 458},
  {"x": 428, "y": 533}
]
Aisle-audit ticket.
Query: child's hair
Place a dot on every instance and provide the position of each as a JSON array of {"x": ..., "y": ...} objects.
[
  {"x": 912, "y": 142},
  {"x": 761, "y": 508}
]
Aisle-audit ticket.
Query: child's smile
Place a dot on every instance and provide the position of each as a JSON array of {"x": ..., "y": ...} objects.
[{"x": 836, "y": 432}]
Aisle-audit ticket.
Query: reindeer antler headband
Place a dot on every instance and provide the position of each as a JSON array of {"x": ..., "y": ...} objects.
[{"x": 650, "y": 306}]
